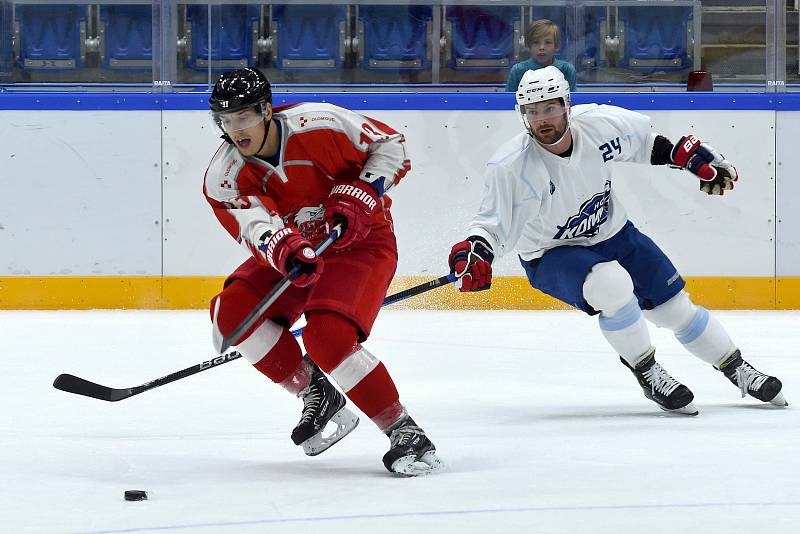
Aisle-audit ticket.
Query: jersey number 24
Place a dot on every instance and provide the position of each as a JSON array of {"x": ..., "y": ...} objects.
[{"x": 609, "y": 148}]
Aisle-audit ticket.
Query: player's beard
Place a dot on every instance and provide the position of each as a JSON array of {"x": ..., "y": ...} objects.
[{"x": 550, "y": 133}]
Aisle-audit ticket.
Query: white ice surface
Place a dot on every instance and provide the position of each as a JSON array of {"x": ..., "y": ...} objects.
[{"x": 542, "y": 428}]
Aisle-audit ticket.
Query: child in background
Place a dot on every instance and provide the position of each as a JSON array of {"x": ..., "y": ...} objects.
[{"x": 543, "y": 38}]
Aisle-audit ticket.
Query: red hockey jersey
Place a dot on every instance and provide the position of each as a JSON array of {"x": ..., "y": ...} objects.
[{"x": 321, "y": 145}]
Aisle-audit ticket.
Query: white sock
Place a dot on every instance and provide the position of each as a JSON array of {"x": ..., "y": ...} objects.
[
  {"x": 705, "y": 337},
  {"x": 626, "y": 331}
]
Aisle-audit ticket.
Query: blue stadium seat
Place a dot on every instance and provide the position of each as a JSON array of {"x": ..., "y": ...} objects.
[
  {"x": 234, "y": 31},
  {"x": 308, "y": 36},
  {"x": 591, "y": 42},
  {"x": 394, "y": 37},
  {"x": 656, "y": 38},
  {"x": 481, "y": 37},
  {"x": 7, "y": 52},
  {"x": 126, "y": 36},
  {"x": 51, "y": 36}
]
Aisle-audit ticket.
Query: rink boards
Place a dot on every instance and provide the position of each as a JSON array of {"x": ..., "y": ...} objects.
[{"x": 103, "y": 204}]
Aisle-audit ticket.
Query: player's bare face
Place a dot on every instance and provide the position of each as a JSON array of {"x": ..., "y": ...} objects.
[
  {"x": 246, "y": 128},
  {"x": 249, "y": 140},
  {"x": 548, "y": 120}
]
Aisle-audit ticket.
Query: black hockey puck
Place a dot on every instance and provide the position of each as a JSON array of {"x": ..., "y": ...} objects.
[{"x": 135, "y": 495}]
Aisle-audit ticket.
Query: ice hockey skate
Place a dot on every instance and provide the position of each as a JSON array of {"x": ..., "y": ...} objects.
[
  {"x": 411, "y": 453},
  {"x": 751, "y": 381},
  {"x": 322, "y": 404},
  {"x": 661, "y": 388}
]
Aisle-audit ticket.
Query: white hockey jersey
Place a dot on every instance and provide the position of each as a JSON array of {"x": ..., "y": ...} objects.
[{"x": 535, "y": 200}]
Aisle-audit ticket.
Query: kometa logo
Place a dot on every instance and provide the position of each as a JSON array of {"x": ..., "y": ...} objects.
[{"x": 592, "y": 213}]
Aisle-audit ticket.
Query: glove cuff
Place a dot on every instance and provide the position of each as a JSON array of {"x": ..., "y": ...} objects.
[
  {"x": 272, "y": 248},
  {"x": 481, "y": 247},
  {"x": 684, "y": 149}
]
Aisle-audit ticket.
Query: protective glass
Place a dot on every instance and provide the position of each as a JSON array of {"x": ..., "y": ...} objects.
[
  {"x": 542, "y": 111},
  {"x": 234, "y": 121}
]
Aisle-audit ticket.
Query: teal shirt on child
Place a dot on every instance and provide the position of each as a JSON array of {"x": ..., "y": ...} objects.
[{"x": 522, "y": 67}]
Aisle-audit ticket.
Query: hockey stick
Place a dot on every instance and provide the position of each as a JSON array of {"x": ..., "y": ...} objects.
[
  {"x": 407, "y": 293},
  {"x": 80, "y": 386},
  {"x": 223, "y": 343}
]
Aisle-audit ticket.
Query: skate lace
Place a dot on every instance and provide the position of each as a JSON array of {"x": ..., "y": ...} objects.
[
  {"x": 749, "y": 378},
  {"x": 312, "y": 399},
  {"x": 660, "y": 380},
  {"x": 402, "y": 436}
]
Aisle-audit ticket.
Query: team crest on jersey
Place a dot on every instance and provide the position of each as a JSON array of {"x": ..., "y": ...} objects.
[
  {"x": 310, "y": 222},
  {"x": 592, "y": 214}
]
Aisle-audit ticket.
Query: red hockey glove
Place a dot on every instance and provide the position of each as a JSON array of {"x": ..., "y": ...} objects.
[
  {"x": 471, "y": 262},
  {"x": 716, "y": 174},
  {"x": 352, "y": 205},
  {"x": 287, "y": 248}
]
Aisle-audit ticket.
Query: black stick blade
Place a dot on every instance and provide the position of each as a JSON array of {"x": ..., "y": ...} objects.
[{"x": 79, "y": 386}]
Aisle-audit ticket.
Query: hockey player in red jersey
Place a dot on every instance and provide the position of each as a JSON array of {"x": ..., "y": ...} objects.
[{"x": 281, "y": 180}]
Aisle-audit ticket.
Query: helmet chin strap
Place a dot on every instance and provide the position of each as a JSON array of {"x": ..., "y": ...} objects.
[
  {"x": 267, "y": 124},
  {"x": 550, "y": 144}
]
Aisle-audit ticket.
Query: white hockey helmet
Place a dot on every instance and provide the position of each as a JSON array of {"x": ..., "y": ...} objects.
[{"x": 540, "y": 85}]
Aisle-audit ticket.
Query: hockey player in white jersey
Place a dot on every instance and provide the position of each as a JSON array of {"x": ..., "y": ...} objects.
[{"x": 549, "y": 196}]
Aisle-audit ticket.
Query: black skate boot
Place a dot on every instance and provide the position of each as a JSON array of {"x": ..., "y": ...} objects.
[
  {"x": 661, "y": 388},
  {"x": 411, "y": 453},
  {"x": 752, "y": 382},
  {"x": 322, "y": 403}
]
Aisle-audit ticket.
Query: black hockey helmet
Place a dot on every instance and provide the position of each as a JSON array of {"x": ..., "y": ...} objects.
[{"x": 239, "y": 89}]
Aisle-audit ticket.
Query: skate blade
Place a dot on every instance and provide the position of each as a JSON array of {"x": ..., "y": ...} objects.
[
  {"x": 779, "y": 400},
  {"x": 409, "y": 466},
  {"x": 689, "y": 409},
  {"x": 345, "y": 421}
]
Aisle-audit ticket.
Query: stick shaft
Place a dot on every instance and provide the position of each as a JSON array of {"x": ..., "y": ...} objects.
[
  {"x": 81, "y": 386},
  {"x": 405, "y": 294},
  {"x": 269, "y": 299}
]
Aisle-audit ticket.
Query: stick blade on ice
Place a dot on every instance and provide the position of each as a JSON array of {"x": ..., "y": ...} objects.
[{"x": 79, "y": 386}]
